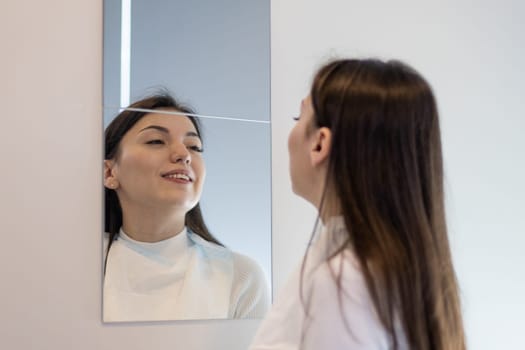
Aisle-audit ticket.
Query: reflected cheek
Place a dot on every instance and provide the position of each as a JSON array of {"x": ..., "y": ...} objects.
[
  {"x": 200, "y": 174},
  {"x": 130, "y": 165}
]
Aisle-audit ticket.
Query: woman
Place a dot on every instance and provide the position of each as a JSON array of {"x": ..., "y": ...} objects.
[
  {"x": 366, "y": 152},
  {"x": 161, "y": 261}
]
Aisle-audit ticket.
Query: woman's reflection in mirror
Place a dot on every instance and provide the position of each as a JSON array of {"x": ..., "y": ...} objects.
[
  {"x": 161, "y": 261},
  {"x": 378, "y": 274}
]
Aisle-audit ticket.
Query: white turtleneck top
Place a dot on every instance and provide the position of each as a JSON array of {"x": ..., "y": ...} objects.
[
  {"x": 180, "y": 278},
  {"x": 333, "y": 321}
]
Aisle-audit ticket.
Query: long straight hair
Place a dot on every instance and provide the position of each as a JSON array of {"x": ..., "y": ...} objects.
[
  {"x": 112, "y": 137},
  {"x": 385, "y": 169}
]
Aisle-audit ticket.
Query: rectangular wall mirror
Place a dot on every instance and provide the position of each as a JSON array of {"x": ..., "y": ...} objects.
[{"x": 214, "y": 57}]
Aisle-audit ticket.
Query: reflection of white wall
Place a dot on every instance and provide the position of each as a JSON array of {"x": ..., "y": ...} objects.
[
  {"x": 50, "y": 200},
  {"x": 473, "y": 54}
]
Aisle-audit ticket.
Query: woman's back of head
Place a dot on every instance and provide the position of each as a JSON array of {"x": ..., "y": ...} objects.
[{"x": 385, "y": 170}]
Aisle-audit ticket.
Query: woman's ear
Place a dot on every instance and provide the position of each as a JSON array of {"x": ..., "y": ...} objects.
[
  {"x": 110, "y": 179},
  {"x": 321, "y": 145}
]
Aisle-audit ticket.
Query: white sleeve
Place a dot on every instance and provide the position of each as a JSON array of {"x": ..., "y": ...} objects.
[
  {"x": 346, "y": 323},
  {"x": 250, "y": 292}
]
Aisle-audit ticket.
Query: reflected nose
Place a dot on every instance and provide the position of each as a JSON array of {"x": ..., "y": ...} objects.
[{"x": 180, "y": 154}]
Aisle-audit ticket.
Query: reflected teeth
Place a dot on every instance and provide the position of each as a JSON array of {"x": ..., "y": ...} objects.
[{"x": 178, "y": 176}]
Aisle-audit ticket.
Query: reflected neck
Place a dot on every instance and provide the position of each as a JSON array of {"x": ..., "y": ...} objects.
[{"x": 152, "y": 224}]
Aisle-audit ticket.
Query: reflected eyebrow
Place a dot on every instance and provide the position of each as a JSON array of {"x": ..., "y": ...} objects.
[
  {"x": 166, "y": 131},
  {"x": 156, "y": 127},
  {"x": 192, "y": 134}
]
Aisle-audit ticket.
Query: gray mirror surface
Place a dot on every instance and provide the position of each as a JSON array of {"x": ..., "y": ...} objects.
[{"x": 214, "y": 57}]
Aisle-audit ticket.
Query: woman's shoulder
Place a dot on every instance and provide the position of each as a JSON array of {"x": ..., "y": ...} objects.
[
  {"x": 242, "y": 263},
  {"x": 339, "y": 301},
  {"x": 209, "y": 249},
  {"x": 246, "y": 267},
  {"x": 250, "y": 288},
  {"x": 343, "y": 269}
]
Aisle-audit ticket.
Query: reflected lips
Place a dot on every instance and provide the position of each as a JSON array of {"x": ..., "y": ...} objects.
[{"x": 179, "y": 176}]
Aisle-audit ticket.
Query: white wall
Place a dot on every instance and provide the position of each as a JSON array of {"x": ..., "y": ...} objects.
[
  {"x": 473, "y": 54},
  {"x": 51, "y": 144}
]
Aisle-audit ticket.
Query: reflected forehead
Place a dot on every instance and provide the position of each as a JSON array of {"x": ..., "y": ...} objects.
[{"x": 175, "y": 124}]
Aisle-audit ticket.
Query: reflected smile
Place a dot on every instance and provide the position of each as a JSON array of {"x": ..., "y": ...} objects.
[
  {"x": 177, "y": 176},
  {"x": 180, "y": 175}
]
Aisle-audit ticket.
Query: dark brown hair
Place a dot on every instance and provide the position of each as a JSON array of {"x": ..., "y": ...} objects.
[
  {"x": 385, "y": 167},
  {"x": 112, "y": 137}
]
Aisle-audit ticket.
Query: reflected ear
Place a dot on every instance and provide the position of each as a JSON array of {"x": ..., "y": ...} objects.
[
  {"x": 321, "y": 145},
  {"x": 110, "y": 179}
]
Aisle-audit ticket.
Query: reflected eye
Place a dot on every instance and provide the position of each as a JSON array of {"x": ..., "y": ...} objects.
[
  {"x": 296, "y": 118},
  {"x": 195, "y": 148},
  {"x": 155, "y": 142}
]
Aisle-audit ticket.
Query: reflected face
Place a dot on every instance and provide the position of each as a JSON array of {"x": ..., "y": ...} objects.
[
  {"x": 299, "y": 143},
  {"x": 159, "y": 163}
]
